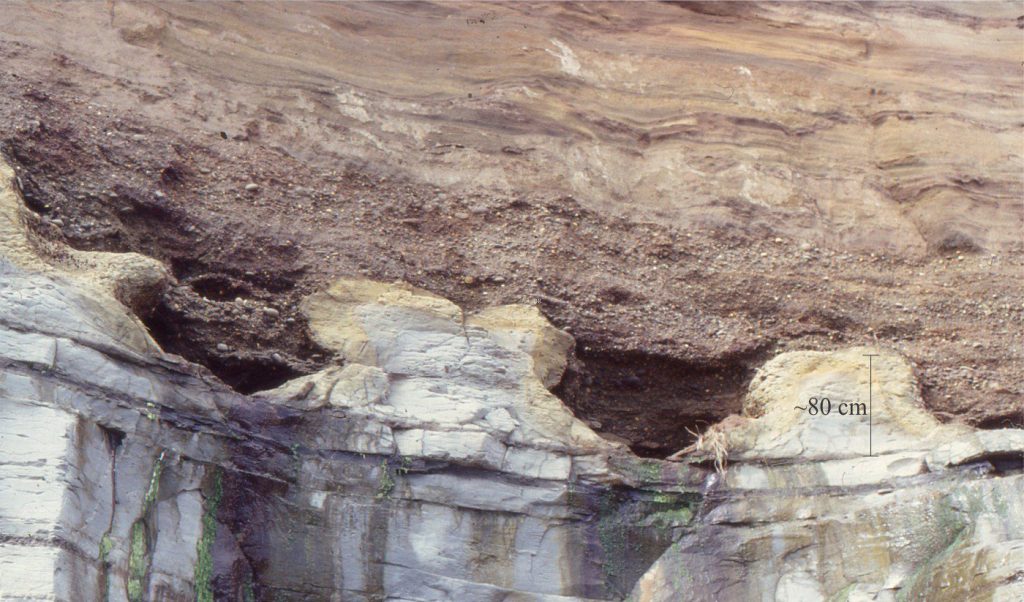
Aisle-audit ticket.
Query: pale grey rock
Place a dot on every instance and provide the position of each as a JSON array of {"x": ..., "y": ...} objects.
[
  {"x": 33, "y": 443},
  {"x": 33, "y": 303},
  {"x": 537, "y": 464},
  {"x": 977, "y": 445},
  {"x": 30, "y": 348},
  {"x": 359, "y": 386},
  {"x": 500, "y": 421},
  {"x": 35, "y": 567},
  {"x": 414, "y": 479}
]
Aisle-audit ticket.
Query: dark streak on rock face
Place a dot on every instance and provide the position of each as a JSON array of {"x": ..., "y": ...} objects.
[
  {"x": 265, "y": 521},
  {"x": 246, "y": 526}
]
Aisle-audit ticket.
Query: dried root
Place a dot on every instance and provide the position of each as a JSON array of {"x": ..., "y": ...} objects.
[{"x": 712, "y": 442}]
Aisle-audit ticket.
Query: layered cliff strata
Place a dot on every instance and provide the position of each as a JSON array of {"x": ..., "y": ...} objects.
[
  {"x": 433, "y": 463},
  {"x": 883, "y": 504},
  {"x": 688, "y": 189}
]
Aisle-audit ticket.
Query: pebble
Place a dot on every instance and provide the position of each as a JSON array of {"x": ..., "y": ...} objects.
[
  {"x": 222, "y": 347},
  {"x": 461, "y": 215},
  {"x": 252, "y": 187},
  {"x": 160, "y": 195},
  {"x": 57, "y": 222},
  {"x": 270, "y": 312}
]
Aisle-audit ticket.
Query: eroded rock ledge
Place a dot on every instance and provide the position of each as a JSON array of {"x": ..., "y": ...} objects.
[
  {"x": 434, "y": 464},
  {"x": 805, "y": 513}
]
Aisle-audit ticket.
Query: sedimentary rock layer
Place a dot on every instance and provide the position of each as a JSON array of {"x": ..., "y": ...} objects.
[
  {"x": 434, "y": 464},
  {"x": 887, "y": 127},
  {"x": 885, "y": 504},
  {"x": 688, "y": 189}
]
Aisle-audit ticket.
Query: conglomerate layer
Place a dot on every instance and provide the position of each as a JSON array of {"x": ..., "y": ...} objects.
[{"x": 686, "y": 188}]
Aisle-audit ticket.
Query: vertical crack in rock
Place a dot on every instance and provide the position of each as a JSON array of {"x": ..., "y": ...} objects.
[
  {"x": 114, "y": 439},
  {"x": 205, "y": 572},
  {"x": 142, "y": 536}
]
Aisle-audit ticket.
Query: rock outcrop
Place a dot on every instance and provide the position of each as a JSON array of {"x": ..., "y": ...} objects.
[
  {"x": 686, "y": 188},
  {"x": 872, "y": 502},
  {"x": 885, "y": 127},
  {"x": 432, "y": 462},
  {"x": 433, "y": 465}
]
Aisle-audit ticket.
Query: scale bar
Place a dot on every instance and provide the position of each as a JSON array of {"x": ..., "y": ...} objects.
[{"x": 870, "y": 357}]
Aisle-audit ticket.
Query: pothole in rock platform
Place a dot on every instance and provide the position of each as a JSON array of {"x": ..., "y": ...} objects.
[
  {"x": 219, "y": 287},
  {"x": 252, "y": 343},
  {"x": 235, "y": 307},
  {"x": 654, "y": 403}
]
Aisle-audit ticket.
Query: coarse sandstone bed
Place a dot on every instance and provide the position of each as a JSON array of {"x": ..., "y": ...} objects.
[{"x": 886, "y": 127}]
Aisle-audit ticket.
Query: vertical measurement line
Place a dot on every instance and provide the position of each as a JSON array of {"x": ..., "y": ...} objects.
[{"x": 871, "y": 377}]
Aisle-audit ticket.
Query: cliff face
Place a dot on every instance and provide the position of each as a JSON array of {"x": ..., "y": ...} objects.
[
  {"x": 418, "y": 302},
  {"x": 687, "y": 189},
  {"x": 432, "y": 463},
  {"x": 847, "y": 505},
  {"x": 888, "y": 128}
]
